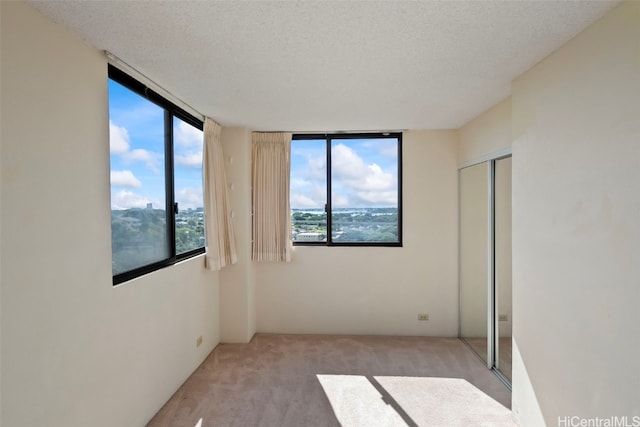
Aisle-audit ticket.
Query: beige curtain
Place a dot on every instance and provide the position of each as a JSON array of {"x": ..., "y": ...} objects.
[
  {"x": 221, "y": 241},
  {"x": 271, "y": 156}
]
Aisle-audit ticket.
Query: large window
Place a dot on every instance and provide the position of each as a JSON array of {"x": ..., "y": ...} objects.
[
  {"x": 346, "y": 189},
  {"x": 157, "y": 215}
]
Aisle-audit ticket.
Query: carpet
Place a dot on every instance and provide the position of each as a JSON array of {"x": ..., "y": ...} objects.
[{"x": 316, "y": 380}]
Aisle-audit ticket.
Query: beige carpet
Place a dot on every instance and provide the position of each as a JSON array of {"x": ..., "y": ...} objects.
[{"x": 314, "y": 380}]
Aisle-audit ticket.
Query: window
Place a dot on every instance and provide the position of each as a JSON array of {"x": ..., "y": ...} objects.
[
  {"x": 157, "y": 215},
  {"x": 346, "y": 189}
]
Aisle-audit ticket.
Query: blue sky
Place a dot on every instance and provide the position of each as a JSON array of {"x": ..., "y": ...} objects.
[
  {"x": 364, "y": 173},
  {"x": 136, "y": 128}
]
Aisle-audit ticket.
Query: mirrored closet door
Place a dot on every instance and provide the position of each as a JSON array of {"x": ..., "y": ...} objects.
[
  {"x": 474, "y": 256},
  {"x": 485, "y": 262},
  {"x": 502, "y": 249}
]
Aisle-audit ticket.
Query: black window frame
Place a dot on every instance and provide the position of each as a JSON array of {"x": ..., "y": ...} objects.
[
  {"x": 171, "y": 207},
  {"x": 329, "y": 138}
]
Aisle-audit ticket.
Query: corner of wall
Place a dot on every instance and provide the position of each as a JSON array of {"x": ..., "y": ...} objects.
[
  {"x": 488, "y": 133},
  {"x": 237, "y": 288},
  {"x": 523, "y": 391}
]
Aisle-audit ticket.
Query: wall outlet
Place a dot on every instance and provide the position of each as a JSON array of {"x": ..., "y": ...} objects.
[
  {"x": 503, "y": 318},
  {"x": 199, "y": 341},
  {"x": 423, "y": 317}
]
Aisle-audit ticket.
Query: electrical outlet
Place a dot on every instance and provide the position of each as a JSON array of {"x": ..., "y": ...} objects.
[
  {"x": 503, "y": 318},
  {"x": 423, "y": 317},
  {"x": 199, "y": 341}
]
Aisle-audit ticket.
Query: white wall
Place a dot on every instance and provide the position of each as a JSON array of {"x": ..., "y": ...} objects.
[
  {"x": 237, "y": 286},
  {"x": 488, "y": 133},
  {"x": 576, "y": 239},
  {"x": 345, "y": 290},
  {"x": 77, "y": 351}
]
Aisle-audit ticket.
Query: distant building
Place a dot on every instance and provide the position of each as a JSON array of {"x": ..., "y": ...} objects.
[
  {"x": 309, "y": 237},
  {"x": 149, "y": 205}
]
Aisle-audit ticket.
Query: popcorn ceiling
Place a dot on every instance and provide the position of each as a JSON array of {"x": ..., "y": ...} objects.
[{"x": 328, "y": 65}]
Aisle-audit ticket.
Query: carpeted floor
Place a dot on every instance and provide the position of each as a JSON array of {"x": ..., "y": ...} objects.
[{"x": 315, "y": 380}]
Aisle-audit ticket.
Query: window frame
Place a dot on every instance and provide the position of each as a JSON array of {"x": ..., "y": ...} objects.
[
  {"x": 171, "y": 208},
  {"x": 329, "y": 138}
]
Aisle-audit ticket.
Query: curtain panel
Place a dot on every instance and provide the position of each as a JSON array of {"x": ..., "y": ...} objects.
[
  {"x": 221, "y": 241},
  {"x": 271, "y": 157}
]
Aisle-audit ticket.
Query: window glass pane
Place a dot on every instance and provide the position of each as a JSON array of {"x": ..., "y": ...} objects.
[
  {"x": 138, "y": 195},
  {"x": 308, "y": 190},
  {"x": 364, "y": 190},
  {"x": 187, "y": 149}
]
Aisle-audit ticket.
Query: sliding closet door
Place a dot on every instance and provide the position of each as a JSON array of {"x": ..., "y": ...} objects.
[
  {"x": 502, "y": 209},
  {"x": 474, "y": 256}
]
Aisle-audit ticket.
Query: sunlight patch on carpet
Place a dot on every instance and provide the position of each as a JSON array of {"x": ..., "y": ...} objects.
[{"x": 358, "y": 400}]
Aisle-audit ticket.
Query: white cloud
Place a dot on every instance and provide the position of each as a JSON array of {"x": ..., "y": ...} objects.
[
  {"x": 345, "y": 163},
  {"x": 297, "y": 182},
  {"x": 376, "y": 179},
  {"x": 149, "y": 158},
  {"x": 118, "y": 139},
  {"x": 317, "y": 167},
  {"x": 376, "y": 198},
  {"x": 125, "y": 178},
  {"x": 356, "y": 182},
  {"x": 193, "y": 159},
  {"x": 187, "y": 135},
  {"x": 302, "y": 201},
  {"x": 384, "y": 147},
  {"x": 349, "y": 168},
  {"x": 189, "y": 198},
  {"x": 389, "y": 150},
  {"x": 307, "y": 193},
  {"x": 126, "y": 199},
  {"x": 191, "y": 141},
  {"x": 308, "y": 188},
  {"x": 119, "y": 144},
  {"x": 340, "y": 201}
]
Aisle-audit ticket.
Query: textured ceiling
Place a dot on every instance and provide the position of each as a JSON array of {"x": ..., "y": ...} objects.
[{"x": 331, "y": 65}]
